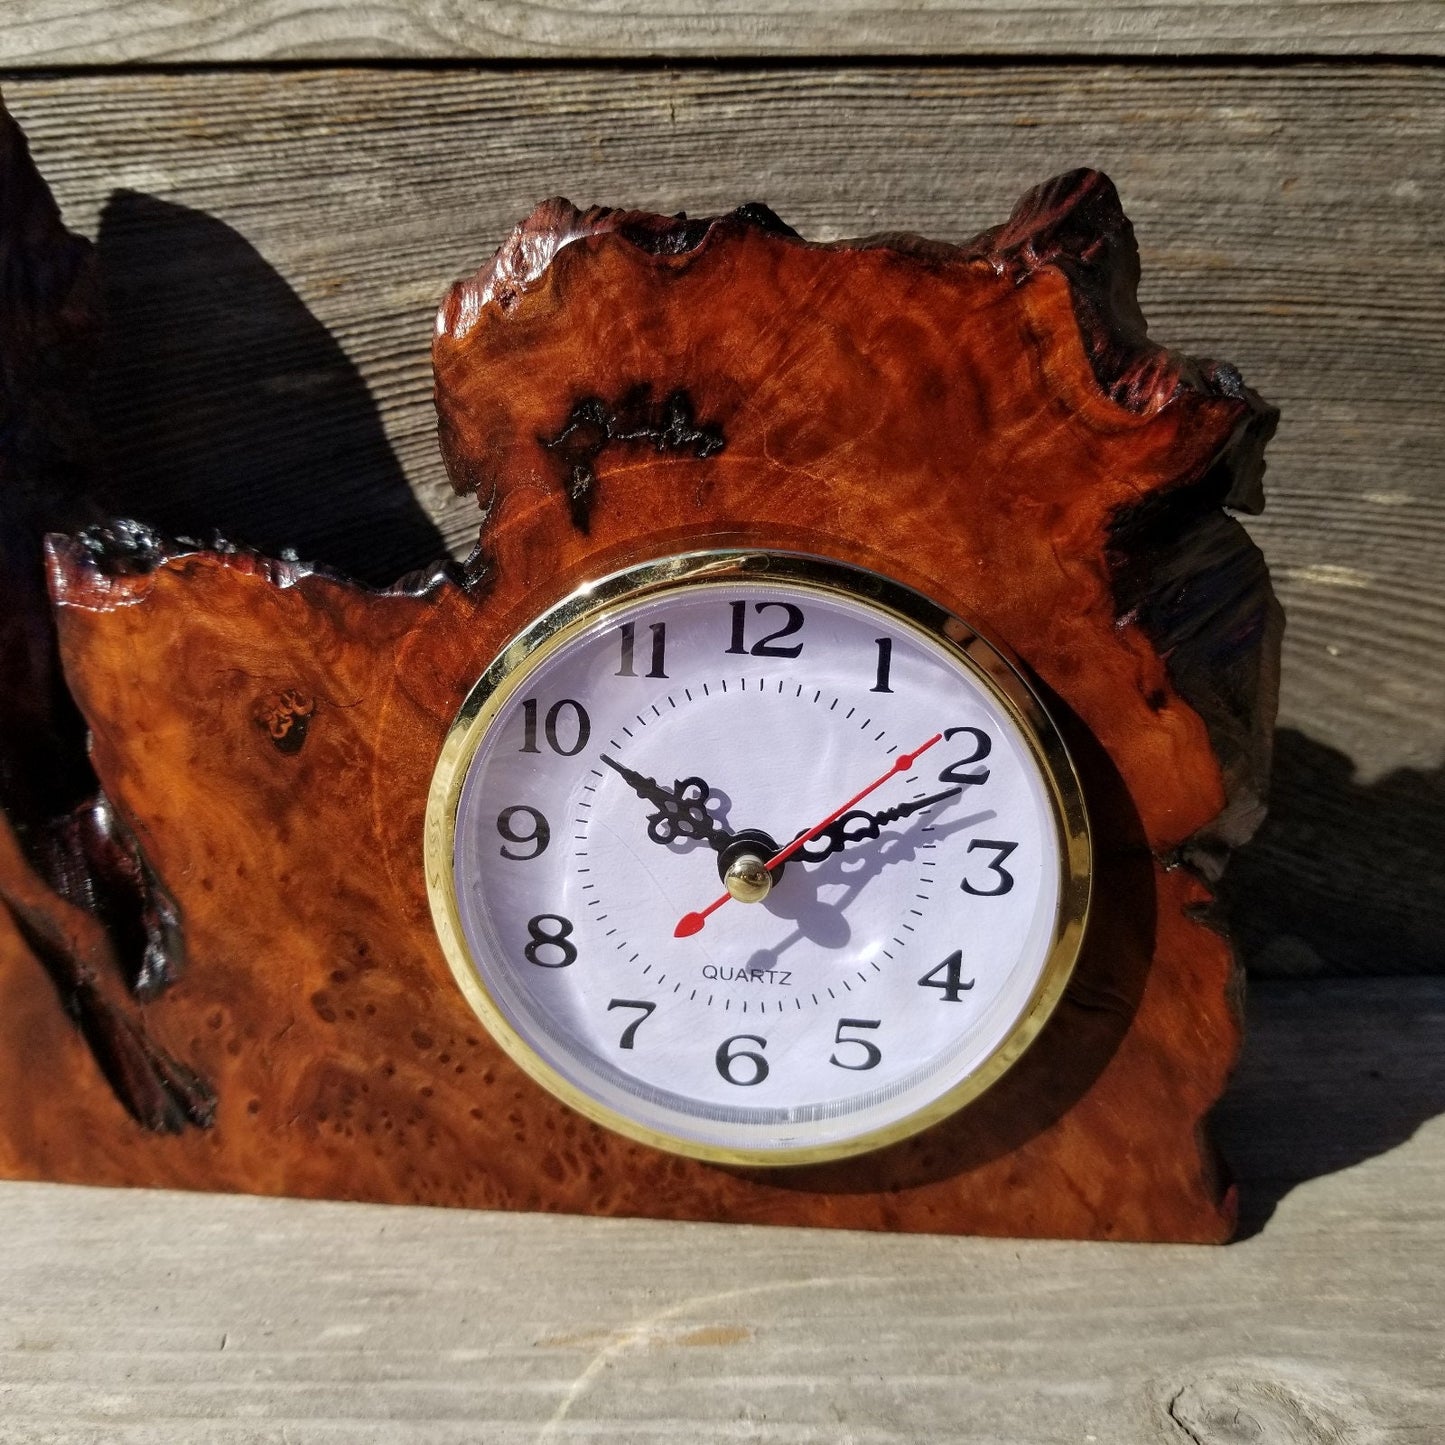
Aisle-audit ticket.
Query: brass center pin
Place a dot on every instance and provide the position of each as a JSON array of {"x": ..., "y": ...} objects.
[{"x": 747, "y": 878}]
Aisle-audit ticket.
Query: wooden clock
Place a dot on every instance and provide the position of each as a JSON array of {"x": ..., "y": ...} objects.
[
  {"x": 851, "y": 998},
  {"x": 803, "y": 807}
]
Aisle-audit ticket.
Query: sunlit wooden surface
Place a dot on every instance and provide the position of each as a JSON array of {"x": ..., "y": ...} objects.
[{"x": 134, "y": 1317}]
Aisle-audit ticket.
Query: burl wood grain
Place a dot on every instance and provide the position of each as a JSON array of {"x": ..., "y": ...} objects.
[
  {"x": 78, "y": 903},
  {"x": 988, "y": 423}
]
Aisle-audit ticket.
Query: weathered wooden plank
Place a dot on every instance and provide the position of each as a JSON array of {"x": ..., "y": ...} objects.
[
  {"x": 87, "y": 32},
  {"x": 1290, "y": 219},
  {"x": 136, "y": 1317}
]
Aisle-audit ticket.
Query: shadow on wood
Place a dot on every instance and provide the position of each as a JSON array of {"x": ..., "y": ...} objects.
[
  {"x": 76, "y": 894},
  {"x": 1328, "y": 1080},
  {"x": 226, "y": 406},
  {"x": 189, "y": 429},
  {"x": 201, "y": 433},
  {"x": 1344, "y": 876}
]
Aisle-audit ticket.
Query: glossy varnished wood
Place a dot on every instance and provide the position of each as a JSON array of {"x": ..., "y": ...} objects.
[
  {"x": 271, "y": 303},
  {"x": 81, "y": 914},
  {"x": 987, "y": 423},
  {"x": 137, "y": 1318}
]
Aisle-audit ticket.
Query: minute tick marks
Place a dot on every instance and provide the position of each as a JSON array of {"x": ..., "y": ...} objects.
[{"x": 702, "y": 782}]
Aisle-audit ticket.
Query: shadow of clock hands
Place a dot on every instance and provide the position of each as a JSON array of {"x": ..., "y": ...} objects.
[
  {"x": 1081, "y": 1035},
  {"x": 824, "y": 922}
]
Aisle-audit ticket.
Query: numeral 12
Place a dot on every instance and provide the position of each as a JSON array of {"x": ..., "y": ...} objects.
[{"x": 766, "y": 646}]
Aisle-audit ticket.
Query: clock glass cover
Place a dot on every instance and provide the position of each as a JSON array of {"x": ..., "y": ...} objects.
[{"x": 603, "y": 842}]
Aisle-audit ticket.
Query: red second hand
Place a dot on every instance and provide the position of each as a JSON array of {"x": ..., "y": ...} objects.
[{"x": 691, "y": 923}]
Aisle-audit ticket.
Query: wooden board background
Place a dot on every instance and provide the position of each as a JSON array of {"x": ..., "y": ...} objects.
[
  {"x": 139, "y": 1319},
  {"x": 79, "y": 32},
  {"x": 275, "y": 241},
  {"x": 281, "y": 192}
]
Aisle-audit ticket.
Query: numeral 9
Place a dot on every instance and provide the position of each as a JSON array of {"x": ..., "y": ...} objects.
[{"x": 539, "y": 836}]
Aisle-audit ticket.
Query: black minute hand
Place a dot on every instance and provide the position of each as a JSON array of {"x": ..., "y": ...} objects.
[
  {"x": 859, "y": 826},
  {"x": 681, "y": 809}
]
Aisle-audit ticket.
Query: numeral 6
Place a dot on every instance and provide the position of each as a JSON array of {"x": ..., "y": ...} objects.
[{"x": 727, "y": 1057}]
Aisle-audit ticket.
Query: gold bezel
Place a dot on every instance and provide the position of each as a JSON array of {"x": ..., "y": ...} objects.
[{"x": 595, "y": 602}]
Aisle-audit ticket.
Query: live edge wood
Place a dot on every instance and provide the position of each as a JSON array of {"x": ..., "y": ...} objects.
[
  {"x": 76, "y": 894},
  {"x": 988, "y": 423}
]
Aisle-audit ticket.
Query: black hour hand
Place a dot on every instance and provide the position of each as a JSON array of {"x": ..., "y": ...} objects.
[
  {"x": 859, "y": 826},
  {"x": 681, "y": 811}
]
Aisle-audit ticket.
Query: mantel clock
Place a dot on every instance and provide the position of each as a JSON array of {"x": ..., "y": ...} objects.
[{"x": 804, "y": 806}]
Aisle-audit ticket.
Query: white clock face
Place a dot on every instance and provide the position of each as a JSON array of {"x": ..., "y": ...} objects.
[{"x": 899, "y": 956}]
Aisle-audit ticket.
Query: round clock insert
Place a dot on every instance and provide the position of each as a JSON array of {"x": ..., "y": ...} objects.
[{"x": 757, "y": 857}]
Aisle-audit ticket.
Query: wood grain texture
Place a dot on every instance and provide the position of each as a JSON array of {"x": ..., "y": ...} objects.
[
  {"x": 72, "y": 882},
  {"x": 89, "y": 32},
  {"x": 346, "y": 1062},
  {"x": 898, "y": 409},
  {"x": 139, "y": 1318},
  {"x": 1264, "y": 200}
]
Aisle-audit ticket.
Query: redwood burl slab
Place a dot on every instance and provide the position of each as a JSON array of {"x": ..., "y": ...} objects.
[
  {"x": 79, "y": 904},
  {"x": 988, "y": 423}
]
